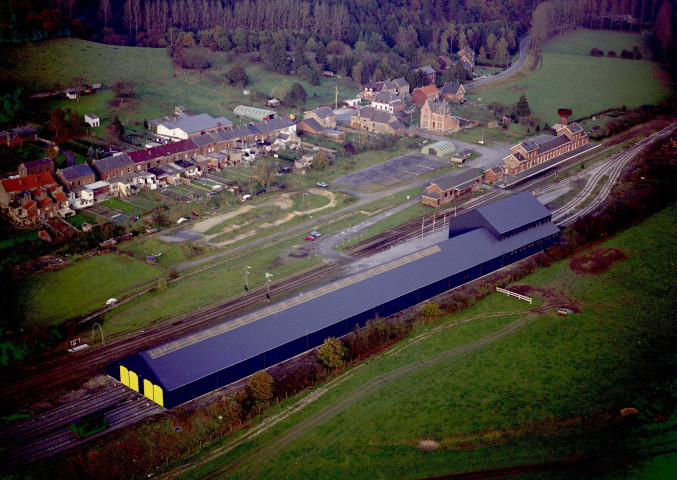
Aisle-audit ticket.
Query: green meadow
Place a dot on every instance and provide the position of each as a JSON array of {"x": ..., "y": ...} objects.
[
  {"x": 54, "y": 296},
  {"x": 43, "y": 65},
  {"x": 494, "y": 387},
  {"x": 569, "y": 77}
]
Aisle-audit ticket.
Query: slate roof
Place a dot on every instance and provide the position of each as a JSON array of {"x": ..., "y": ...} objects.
[
  {"x": 76, "y": 171},
  {"x": 451, "y": 88},
  {"x": 197, "y": 123},
  {"x": 376, "y": 86},
  {"x": 190, "y": 358},
  {"x": 496, "y": 169},
  {"x": 457, "y": 179},
  {"x": 111, "y": 163},
  {"x": 574, "y": 127},
  {"x": 427, "y": 69},
  {"x": 440, "y": 108},
  {"x": 385, "y": 97},
  {"x": 42, "y": 162},
  {"x": 322, "y": 112},
  {"x": 401, "y": 82},
  {"x": 389, "y": 85},
  {"x": 313, "y": 124}
]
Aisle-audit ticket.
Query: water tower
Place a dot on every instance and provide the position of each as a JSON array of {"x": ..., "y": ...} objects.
[{"x": 564, "y": 114}]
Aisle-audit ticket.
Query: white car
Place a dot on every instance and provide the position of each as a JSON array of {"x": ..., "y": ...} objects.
[
  {"x": 111, "y": 301},
  {"x": 322, "y": 184},
  {"x": 246, "y": 197},
  {"x": 316, "y": 234}
]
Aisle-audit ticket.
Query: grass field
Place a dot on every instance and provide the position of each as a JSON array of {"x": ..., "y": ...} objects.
[
  {"x": 508, "y": 389},
  {"x": 569, "y": 78},
  {"x": 43, "y": 65},
  {"x": 80, "y": 288},
  {"x": 580, "y": 42}
]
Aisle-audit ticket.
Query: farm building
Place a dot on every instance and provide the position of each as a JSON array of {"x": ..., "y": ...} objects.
[
  {"x": 441, "y": 149},
  {"x": 258, "y": 114},
  {"x": 480, "y": 242}
]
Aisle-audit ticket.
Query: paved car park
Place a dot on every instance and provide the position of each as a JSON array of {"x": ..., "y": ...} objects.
[{"x": 393, "y": 171}]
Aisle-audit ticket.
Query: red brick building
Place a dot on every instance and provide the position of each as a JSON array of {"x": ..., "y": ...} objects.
[
  {"x": 530, "y": 153},
  {"x": 421, "y": 94},
  {"x": 36, "y": 167},
  {"x": 494, "y": 175},
  {"x": 452, "y": 187}
]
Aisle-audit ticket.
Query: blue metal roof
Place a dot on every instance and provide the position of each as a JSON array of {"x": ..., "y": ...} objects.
[
  {"x": 193, "y": 357},
  {"x": 513, "y": 212}
]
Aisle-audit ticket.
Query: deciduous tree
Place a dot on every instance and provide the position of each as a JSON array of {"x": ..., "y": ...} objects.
[
  {"x": 431, "y": 311},
  {"x": 332, "y": 354},
  {"x": 261, "y": 386},
  {"x": 237, "y": 75},
  {"x": 320, "y": 161}
]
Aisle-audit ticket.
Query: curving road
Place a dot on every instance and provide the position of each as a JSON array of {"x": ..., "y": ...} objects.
[{"x": 524, "y": 44}]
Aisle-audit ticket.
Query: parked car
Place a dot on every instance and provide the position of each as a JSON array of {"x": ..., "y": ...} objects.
[
  {"x": 246, "y": 197},
  {"x": 309, "y": 238},
  {"x": 322, "y": 184},
  {"x": 111, "y": 301},
  {"x": 316, "y": 234}
]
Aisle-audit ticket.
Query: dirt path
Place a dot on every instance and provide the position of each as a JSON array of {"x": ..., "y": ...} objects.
[
  {"x": 258, "y": 457},
  {"x": 283, "y": 201}
]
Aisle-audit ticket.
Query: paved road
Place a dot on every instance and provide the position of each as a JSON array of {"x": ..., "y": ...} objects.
[{"x": 512, "y": 69}]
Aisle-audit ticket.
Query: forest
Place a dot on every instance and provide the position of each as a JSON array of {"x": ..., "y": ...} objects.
[{"x": 490, "y": 27}]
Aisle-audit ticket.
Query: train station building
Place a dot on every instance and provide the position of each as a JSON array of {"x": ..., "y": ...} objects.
[{"x": 480, "y": 242}]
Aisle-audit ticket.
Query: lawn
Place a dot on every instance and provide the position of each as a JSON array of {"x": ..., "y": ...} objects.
[
  {"x": 54, "y": 296},
  {"x": 568, "y": 78},
  {"x": 123, "y": 206},
  {"x": 506, "y": 389}
]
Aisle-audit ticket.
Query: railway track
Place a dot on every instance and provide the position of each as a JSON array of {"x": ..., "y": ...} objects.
[
  {"x": 539, "y": 184},
  {"x": 611, "y": 168},
  {"x": 49, "y": 433},
  {"x": 71, "y": 371}
]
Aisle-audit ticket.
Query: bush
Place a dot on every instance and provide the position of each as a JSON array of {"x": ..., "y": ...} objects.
[{"x": 596, "y": 52}]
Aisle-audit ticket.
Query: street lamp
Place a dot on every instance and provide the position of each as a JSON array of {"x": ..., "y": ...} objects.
[
  {"x": 96, "y": 324},
  {"x": 268, "y": 277},
  {"x": 246, "y": 274}
]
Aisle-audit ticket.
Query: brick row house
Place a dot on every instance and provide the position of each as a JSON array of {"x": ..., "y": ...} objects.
[
  {"x": 452, "y": 187},
  {"x": 35, "y": 167},
  {"x": 436, "y": 117},
  {"x": 530, "y": 153},
  {"x": 124, "y": 173}
]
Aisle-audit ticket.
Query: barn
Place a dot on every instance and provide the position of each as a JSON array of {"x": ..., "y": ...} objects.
[
  {"x": 480, "y": 242},
  {"x": 441, "y": 149}
]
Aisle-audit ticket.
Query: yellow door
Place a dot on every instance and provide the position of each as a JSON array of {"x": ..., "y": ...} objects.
[
  {"x": 124, "y": 376},
  {"x": 147, "y": 388},
  {"x": 133, "y": 381},
  {"x": 157, "y": 395}
]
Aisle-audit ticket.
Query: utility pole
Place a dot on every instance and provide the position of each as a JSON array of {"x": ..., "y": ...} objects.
[
  {"x": 422, "y": 220},
  {"x": 246, "y": 275},
  {"x": 336, "y": 96},
  {"x": 268, "y": 277}
]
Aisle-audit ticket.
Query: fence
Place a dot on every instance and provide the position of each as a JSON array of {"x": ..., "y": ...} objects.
[{"x": 513, "y": 294}]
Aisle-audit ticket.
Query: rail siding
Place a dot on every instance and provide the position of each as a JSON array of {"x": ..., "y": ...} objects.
[{"x": 513, "y": 294}]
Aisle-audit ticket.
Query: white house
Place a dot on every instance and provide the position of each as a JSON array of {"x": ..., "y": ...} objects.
[
  {"x": 80, "y": 198},
  {"x": 92, "y": 120},
  {"x": 193, "y": 126}
]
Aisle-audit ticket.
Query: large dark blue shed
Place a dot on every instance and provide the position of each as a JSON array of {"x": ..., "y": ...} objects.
[{"x": 481, "y": 241}]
